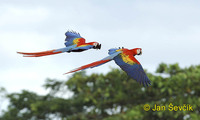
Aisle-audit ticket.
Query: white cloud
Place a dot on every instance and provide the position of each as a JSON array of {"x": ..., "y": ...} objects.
[
  {"x": 13, "y": 15},
  {"x": 16, "y": 41}
]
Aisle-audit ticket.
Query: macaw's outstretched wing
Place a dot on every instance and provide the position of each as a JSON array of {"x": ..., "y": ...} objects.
[
  {"x": 82, "y": 48},
  {"x": 48, "y": 52},
  {"x": 95, "y": 64},
  {"x": 133, "y": 68},
  {"x": 73, "y": 38}
]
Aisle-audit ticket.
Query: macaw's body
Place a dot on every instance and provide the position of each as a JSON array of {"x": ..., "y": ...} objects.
[
  {"x": 73, "y": 42},
  {"x": 125, "y": 59}
]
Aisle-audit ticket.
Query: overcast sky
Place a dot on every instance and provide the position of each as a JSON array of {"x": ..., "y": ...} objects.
[{"x": 167, "y": 31}]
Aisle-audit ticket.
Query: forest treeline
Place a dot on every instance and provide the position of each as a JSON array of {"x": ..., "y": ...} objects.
[{"x": 113, "y": 96}]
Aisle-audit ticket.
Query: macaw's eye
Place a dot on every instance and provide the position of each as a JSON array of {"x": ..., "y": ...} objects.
[{"x": 95, "y": 44}]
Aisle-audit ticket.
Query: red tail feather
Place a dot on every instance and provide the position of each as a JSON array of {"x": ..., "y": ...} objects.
[
  {"x": 39, "y": 54},
  {"x": 94, "y": 64}
]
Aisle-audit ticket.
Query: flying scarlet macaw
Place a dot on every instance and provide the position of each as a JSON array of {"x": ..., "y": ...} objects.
[
  {"x": 73, "y": 42},
  {"x": 125, "y": 59}
]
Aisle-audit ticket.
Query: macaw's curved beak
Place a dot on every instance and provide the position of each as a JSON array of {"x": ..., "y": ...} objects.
[
  {"x": 98, "y": 46},
  {"x": 140, "y": 53}
]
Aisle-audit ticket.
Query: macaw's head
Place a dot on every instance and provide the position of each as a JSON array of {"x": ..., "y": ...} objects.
[
  {"x": 137, "y": 51},
  {"x": 96, "y": 45}
]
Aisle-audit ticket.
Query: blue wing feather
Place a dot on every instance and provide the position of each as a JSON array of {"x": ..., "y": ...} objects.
[
  {"x": 135, "y": 71},
  {"x": 83, "y": 48},
  {"x": 70, "y": 36},
  {"x": 112, "y": 50}
]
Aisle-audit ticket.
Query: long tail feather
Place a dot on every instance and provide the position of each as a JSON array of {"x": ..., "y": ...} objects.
[
  {"x": 39, "y": 54},
  {"x": 91, "y": 65}
]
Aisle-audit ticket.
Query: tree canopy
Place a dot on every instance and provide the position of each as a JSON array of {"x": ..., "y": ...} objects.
[{"x": 112, "y": 96}]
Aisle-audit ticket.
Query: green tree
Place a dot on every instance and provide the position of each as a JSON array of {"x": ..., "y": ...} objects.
[
  {"x": 2, "y": 98},
  {"x": 112, "y": 96}
]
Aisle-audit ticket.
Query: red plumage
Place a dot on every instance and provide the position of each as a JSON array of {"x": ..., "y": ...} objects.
[
  {"x": 94, "y": 64},
  {"x": 38, "y": 54}
]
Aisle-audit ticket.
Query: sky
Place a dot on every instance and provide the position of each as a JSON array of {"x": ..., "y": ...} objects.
[{"x": 167, "y": 31}]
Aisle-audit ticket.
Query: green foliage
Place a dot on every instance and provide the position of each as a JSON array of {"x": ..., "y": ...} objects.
[
  {"x": 113, "y": 96},
  {"x": 2, "y": 98}
]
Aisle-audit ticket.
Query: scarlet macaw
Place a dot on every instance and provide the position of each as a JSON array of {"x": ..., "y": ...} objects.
[
  {"x": 73, "y": 42},
  {"x": 125, "y": 59}
]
